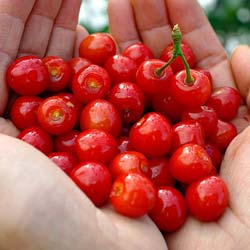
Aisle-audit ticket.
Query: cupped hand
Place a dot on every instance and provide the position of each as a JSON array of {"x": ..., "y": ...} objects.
[
  {"x": 40, "y": 207},
  {"x": 151, "y": 22}
]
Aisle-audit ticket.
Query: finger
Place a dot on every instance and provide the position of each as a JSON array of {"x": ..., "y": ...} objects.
[
  {"x": 239, "y": 62},
  {"x": 81, "y": 33},
  {"x": 152, "y": 24},
  {"x": 198, "y": 33},
  {"x": 121, "y": 23},
  {"x": 38, "y": 28},
  {"x": 13, "y": 15},
  {"x": 63, "y": 36},
  {"x": 41, "y": 208},
  {"x": 8, "y": 128}
]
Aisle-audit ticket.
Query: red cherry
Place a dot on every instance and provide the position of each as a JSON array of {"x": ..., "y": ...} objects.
[
  {"x": 97, "y": 48},
  {"x": 170, "y": 210},
  {"x": 66, "y": 142},
  {"x": 223, "y": 135},
  {"x": 161, "y": 175},
  {"x": 96, "y": 145},
  {"x": 59, "y": 71},
  {"x": 207, "y": 198},
  {"x": 91, "y": 83},
  {"x": 64, "y": 161},
  {"x": 193, "y": 94},
  {"x": 129, "y": 162},
  {"x": 151, "y": 135},
  {"x": 129, "y": 100},
  {"x": 38, "y": 138},
  {"x": 214, "y": 154},
  {"x": 177, "y": 64},
  {"x": 165, "y": 104},
  {"x": 205, "y": 115},
  {"x": 78, "y": 63},
  {"x": 188, "y": 131},
  {"x": 101, "y": 114},
  {"x": 225, "y": 101},
  {"x": 24, "y": 111},
  {"x": 27, "y": 76},
  {"x": 94, "y": 180},
  {"x": 189, "y": 163},
  {"x": 121, "y": 69},
  {"x": 139, "y": 52},
  {"x": 133, "y": 195},
  {"x": 150, "y": 81},
  {"x": 56, "y": 116}
]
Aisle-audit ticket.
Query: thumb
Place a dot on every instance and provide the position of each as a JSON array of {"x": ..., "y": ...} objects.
[
  {"x": 240, "y": 61},
  {"x": 235, "y": 171}
]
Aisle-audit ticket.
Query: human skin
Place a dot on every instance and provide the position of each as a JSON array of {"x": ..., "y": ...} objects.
[{"x": 40, "y": 207}]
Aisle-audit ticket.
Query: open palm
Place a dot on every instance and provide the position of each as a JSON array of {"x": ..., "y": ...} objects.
[{"x": 151, "y": 22}]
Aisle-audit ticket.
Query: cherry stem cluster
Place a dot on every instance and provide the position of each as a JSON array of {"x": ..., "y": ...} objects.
[{"x": 177, "y": 51}]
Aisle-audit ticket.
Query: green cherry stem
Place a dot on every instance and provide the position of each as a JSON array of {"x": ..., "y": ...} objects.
[{"x": 177, "y": 36}]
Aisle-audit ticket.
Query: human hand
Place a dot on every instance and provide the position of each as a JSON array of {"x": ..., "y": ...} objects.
[
  {"x": 151, "y": 22},
  {"x": 41, "y": 208},
  {"x": 38, "y": 27}
]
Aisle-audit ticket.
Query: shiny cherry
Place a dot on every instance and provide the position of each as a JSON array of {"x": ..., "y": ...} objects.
[
  {"x": 97, "y": 48},
  {"x": 170, "y": 210},
  {"x": 101, "y": 114},
  {"x": 94, "y": 179},
  {"x": 27, "y": 75},
  {"x": 151, "y": 135},
  {"x": 96, "y": 145},
  {"x": 133, "y": 195},
  {"x": 207, "y": 198},
  {"x": 129, "y": 100}
]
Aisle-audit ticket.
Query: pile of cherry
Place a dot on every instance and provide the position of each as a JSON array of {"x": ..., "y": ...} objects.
[{"x": 129, "y": 129}]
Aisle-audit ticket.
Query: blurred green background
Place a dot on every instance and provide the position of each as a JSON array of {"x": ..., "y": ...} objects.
[{"x": 229, "y": 18}]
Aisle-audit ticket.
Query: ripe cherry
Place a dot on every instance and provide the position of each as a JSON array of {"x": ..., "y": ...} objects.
[
  {"x": 24, "y": 111},
  {"x": 64, "y": 161},
  {"x": 151, "y": 82},
  {"x": 139, "y": 52},
  {"x": 94, "y": 179},
  {"x": 66, "y": 142},
  {"x": 223, "y": 135},
  {"x": 96, "y": 145},
  {"x": 151, "y": 135},
  {"x": 56, "y": 116},
  {"x": 129, "y": 162},
  {"x": 178, "y": 64},
  {"x": 189, "y": 163},
  {"x": 97, "y": 48},
  {"x": 214, "y": 153},
  {"x": 225, "y": 101},
  {"x": 78, "y": 63},
  {"x": 38, "y": 138},
  {"x": 205, "y": 115},
  {"x": 160, "y": 172},
  {"x": 101, "y": 114},
  {"x": 60, "y": 73},
  {"x": 91, "y": 83},
  {"x": 27, "y": 75},
  {"x": 207, "y": 198},
  {"x": 188, "y": 131},
  {"x": 121, "y": 68},
  {"x": 133, "y": 195},
  {"x": 170, "y": 210},
  {"x": 129, "y": 100}
]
